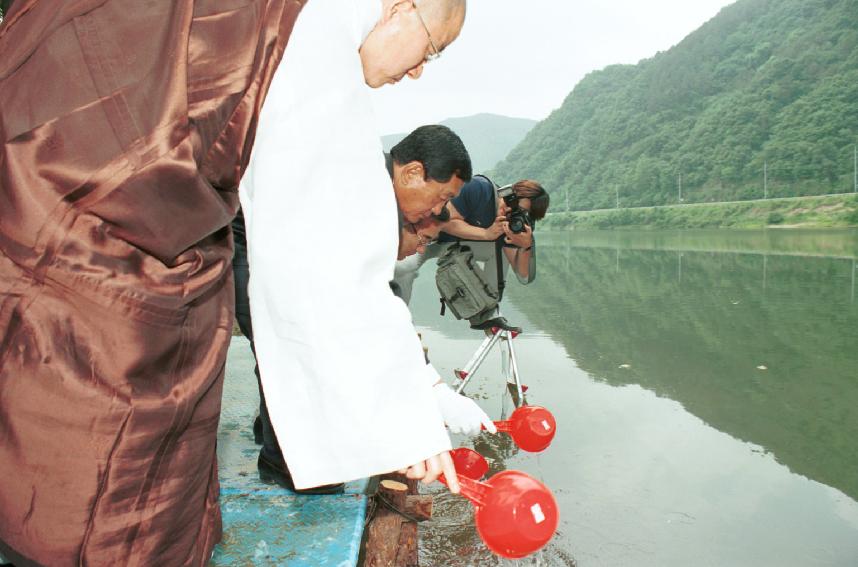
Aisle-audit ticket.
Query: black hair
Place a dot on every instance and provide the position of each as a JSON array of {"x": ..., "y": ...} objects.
[{"x": 439, "y": 149}]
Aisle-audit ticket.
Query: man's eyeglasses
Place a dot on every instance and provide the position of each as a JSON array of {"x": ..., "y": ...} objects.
[
  {"x": 435, "y": 53},
  {"x": 421, "y": 239}
]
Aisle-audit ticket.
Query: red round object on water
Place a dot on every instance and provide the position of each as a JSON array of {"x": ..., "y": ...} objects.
[
  {"x": 518, "y": 514},
  {"x": 469, "y": 463},
  {"x": 531, "y": 427}
]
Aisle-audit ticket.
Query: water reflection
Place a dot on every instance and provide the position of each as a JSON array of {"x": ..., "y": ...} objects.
[
  {"x": 704, "y": 386},
  {"x": 761, "y": 346}
]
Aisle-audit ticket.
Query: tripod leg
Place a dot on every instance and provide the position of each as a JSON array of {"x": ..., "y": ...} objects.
[
  {"x": 506, "y": 366},
  {"x": 469, "y": 367},
  {"x": 514, "y": 365},
  {"x": 506, "y": 371},
  {"x": 476, "y": 360}
]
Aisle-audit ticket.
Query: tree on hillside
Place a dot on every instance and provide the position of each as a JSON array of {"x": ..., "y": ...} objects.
[{"x": 762, "y": 97}]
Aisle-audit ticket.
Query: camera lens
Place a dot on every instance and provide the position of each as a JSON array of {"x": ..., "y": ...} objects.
[{"x": 518, "y": 220}]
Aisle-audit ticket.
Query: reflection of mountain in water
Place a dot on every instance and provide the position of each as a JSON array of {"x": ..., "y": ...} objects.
[{"x": 695, "y": 326}]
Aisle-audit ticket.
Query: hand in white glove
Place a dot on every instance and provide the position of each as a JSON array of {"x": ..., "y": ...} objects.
[{"x": 461, "y": 414}]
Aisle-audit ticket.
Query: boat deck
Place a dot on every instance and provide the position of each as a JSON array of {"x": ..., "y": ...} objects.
[{"x": 265, "y": 524}]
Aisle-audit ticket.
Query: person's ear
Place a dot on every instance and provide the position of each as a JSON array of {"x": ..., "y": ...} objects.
[
  {"x": 413, "y": 174},
  {"x": 392, "y": 8}
]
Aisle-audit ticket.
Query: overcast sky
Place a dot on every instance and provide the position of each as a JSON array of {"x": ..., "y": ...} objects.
[{"x": 522, "y": 57}]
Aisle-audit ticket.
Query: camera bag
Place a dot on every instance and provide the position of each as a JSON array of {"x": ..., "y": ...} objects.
[{"x": 462, "y": 283}]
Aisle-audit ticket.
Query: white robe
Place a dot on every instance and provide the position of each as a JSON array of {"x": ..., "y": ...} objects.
[{"x": 347, "y": 387}]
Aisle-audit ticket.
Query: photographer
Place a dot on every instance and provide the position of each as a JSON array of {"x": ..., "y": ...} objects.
[{"x": 480, "y": 214}]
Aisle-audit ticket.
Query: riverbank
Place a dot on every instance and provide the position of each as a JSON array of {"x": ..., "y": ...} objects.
[{"x": 829, "y": 211}]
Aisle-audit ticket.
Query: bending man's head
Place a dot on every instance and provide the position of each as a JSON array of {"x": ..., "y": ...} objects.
[
  {"x": 408, "y": 34},
  {"x": 415, "y": 237},
  {"x": 430, "y": 165}
]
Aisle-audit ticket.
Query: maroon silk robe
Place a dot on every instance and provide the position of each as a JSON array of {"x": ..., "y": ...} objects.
[{"x": 126, "y": 125}]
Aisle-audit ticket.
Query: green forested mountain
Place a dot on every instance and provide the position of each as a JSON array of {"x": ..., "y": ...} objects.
[
  {"x": 488, "y": 137},
  {"x": 765, "y": 88}
]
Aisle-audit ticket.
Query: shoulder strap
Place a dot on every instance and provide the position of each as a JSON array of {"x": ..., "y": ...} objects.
[
  {"x": 499, "y": 263},
  {"x": 486, "y": 177}
]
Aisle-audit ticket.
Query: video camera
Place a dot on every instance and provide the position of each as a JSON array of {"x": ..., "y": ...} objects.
[{"x": 517, "y": 217}]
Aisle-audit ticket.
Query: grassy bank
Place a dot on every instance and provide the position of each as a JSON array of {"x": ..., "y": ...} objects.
[{"x": 805, "y": 212}]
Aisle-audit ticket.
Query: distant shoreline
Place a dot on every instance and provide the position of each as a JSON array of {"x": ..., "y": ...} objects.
[{"x": 829, "y": 211}]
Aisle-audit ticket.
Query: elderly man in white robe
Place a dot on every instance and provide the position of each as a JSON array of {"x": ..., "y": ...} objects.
[{"x": 348, "y": 390}]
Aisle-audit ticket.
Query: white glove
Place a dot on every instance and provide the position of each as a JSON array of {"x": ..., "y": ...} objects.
[{"x": 461, "y": 414}]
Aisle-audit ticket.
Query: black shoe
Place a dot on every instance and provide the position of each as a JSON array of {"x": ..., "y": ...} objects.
[
  {"x": 499, "y": 322},
  {"x": 257, "y": 430},
  {"x": 271, "y": 473}
]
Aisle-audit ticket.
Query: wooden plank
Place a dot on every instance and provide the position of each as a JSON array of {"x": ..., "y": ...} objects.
[{"x": 406, "y": 554}]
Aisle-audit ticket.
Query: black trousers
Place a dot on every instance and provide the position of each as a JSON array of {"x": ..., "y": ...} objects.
[{"x": 241, "y": 271}]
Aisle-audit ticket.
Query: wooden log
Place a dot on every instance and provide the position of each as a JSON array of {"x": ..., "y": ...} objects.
[
  {"x": 412, "y": 483},
  {"x": 394, "y": 491},
  {"x": 391, "y": 539},
  {"x": 419, "y": 506},
  {"x": 384, "y": 530}
]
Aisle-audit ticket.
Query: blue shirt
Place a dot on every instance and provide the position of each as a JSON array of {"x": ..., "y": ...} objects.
[{"x": 477, "y": 203}]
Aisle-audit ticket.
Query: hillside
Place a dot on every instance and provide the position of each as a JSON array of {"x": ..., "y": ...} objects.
[
  {"x": 764, "y": 94},
  {"x": 488, "y": 137}
]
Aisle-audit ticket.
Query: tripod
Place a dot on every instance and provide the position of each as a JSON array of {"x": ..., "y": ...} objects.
[{"x": 509, "y": 365}]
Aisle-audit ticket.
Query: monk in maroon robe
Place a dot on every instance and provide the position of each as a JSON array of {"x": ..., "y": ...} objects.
[{"x": 126, "y": 125}]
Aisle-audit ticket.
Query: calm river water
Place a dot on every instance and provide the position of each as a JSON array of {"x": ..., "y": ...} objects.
[{"x": 705, "y": 386}]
